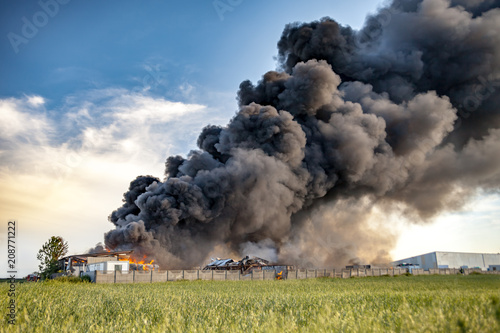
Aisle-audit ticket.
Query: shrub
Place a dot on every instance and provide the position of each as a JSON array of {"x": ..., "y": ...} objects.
[
  {"x": 86, "y": 278},
  {"x": 72, "y": 279}
]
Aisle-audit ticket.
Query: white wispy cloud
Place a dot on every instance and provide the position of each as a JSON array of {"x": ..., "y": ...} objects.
[
  {"x": 63, "y": 175},
  {"x": 29, "y": 124}
]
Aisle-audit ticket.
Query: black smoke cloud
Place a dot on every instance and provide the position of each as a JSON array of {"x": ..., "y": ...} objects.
[{"x": 402, "y": 114}]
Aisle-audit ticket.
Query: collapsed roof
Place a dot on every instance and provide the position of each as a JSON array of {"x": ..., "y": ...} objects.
[
  {"x": 84, "y": 257},
  {"x": 245, "y": 265}
]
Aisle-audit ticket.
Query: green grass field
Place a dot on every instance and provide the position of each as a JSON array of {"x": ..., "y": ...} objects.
[{"x": 373, "y": 304}]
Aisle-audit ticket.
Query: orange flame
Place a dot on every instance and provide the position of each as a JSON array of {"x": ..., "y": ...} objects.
[{"x": 145, "y": 266}]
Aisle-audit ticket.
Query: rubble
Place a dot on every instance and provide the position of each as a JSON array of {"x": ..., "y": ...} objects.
[{"x": 245, "y": 265}]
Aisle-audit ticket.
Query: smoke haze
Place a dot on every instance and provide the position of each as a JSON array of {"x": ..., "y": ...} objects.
[{"x": 400, "y": 116}]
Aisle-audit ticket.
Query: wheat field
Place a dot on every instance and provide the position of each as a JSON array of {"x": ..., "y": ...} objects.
[{"x": 372, "y": 304}]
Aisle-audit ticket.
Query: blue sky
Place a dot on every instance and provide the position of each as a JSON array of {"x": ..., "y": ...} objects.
[
  {"x": 95, "y": 44},
  {"x": 102, "y": 91}
]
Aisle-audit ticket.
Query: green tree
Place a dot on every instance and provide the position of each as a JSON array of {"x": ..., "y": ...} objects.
[{"x": 53, "y": 250}]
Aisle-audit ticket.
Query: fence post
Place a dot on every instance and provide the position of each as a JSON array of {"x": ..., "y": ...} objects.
[
  {"x": 198, "y": 274},
  {"x": 183, "y": 274},
  {"x": 167, "y": 275},
  {"x": 225, "y": 275},
  {"x": 252, "y": 275},
  {"x": 239, "y": 275},
  {"x": 151, "y": 279},
  {"x": 212, "y": 274},
  {"x": 115, "y": 278},
  {"x": 133, "y": 276}
]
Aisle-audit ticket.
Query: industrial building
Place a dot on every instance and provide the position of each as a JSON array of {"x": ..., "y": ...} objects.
[
  {"x": 78, "y": 264},
  {"x": 89, "y": 263},
  {"x": 484, "y": 261}
]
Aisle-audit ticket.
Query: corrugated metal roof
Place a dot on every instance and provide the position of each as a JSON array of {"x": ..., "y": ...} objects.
[
  {"x": 220, "y": 262},
  {"x": 100, "y": 254}
]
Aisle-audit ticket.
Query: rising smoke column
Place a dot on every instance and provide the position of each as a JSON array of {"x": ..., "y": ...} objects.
[{"x": 403, "y": 113}]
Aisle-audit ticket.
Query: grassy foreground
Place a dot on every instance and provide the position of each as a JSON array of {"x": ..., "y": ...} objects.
[{"x": 373, "y": 304}]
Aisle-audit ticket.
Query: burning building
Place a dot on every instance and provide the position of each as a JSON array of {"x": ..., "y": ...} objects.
[{"x": 86, "y": 264}]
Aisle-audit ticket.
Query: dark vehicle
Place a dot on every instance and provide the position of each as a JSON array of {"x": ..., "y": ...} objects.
[{"x": 32, "y": 278}]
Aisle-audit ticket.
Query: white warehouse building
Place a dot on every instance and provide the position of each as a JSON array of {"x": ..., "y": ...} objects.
[{"x": 484, "y": 261}]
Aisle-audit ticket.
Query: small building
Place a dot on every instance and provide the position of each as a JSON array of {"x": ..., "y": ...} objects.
[
  {"x": 440, "y": 259},
  {"x": 79, "y": 264}
]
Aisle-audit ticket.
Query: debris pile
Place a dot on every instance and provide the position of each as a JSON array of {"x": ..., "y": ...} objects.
[{"x": 245, "y": 265}]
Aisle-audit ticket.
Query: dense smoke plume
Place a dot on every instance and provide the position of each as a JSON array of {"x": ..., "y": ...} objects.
[{"x": 401, "y": 115}]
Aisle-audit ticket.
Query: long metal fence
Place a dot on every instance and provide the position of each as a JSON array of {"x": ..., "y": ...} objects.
[{"x": 214, "y": 275}]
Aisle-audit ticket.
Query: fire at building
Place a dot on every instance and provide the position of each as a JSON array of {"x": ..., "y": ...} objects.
[{"x": 89, "y": 263}]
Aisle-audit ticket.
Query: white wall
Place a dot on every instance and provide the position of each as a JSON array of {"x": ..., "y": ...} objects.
[
  {"x": 456, "y": 259},
  {"x": 109, "y": 266},
  {"x": 491, "y": 259}
]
